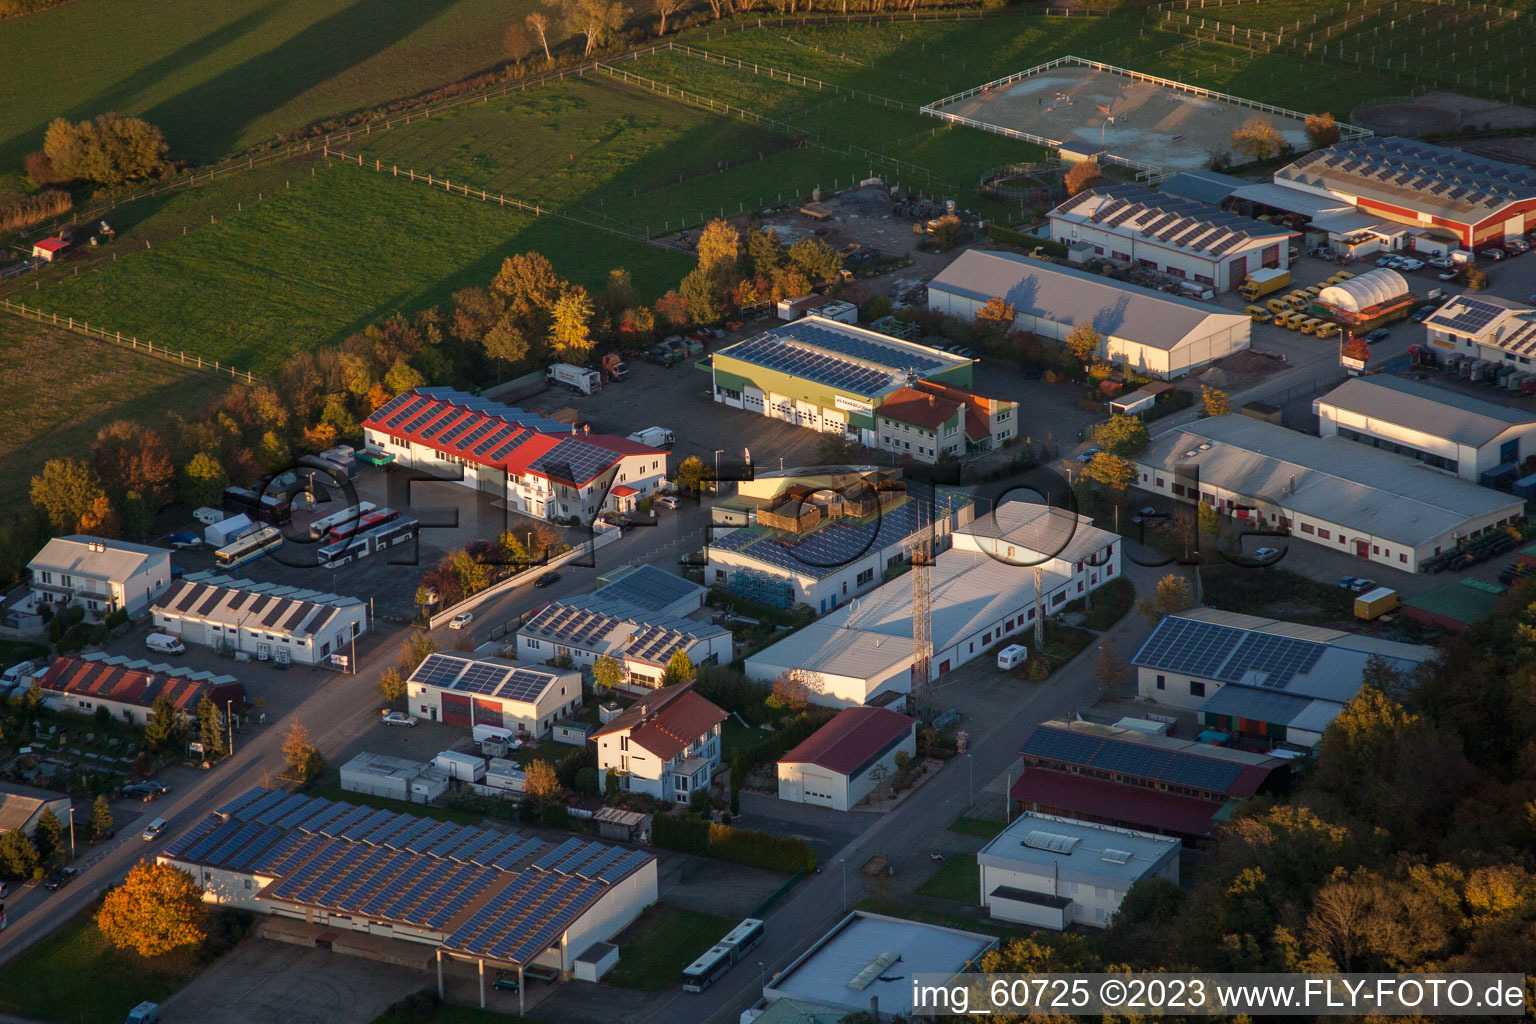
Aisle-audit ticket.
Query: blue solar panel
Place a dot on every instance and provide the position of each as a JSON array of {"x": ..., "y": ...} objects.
[
  {"x": 521, "y": 852},
  {"x": 495, "y": 439},
  {"x": 240, "y": 801},
  {"x": 469, "y": 850},
  {"x": 192, "y": 835},
  {"x": 592, "y": 867},
  {"x": 459, "y": 428},
  {"x": 253, "y": 849},
  {"x": 490, "y": 854},
  {"x": 623, "y": 866},
  {"x": 277, "y": 812},
  {"x": 358, "y": 829},
  {"x": 426, "y": 842},
  {"x": 425, "y": 416},
  {"x": 345, "y": 821},
  {"x": 256, "y": 808},
  {"x": 401, "y": 840},
  {"x": 298, "y": 816},
  {"x": 400, "y": 823},
  {"x": 415, "y": 405}
]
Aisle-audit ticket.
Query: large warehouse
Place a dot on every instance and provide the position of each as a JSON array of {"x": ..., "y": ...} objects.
[
  {"x": 1170, "y": 234},
  {"x": 494, "y": 898},
  {"x": 1443, "y": 429},
  {"x": 267, "y": 620},
  {"x": 1376, "y": 505},
  {"x": 541, "y": 468},
  {"x": 468, "y": 689},
  {"x": 828, "y": 376},
  {"x": 1414, "y": 183},
  {"x": 1276, "y": 682},
  {"x": 983, "y": 592},
  {"x": 1147, "y": 331}
]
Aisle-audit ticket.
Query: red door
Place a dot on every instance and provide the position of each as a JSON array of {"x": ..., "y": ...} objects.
[
  {"x": 943, "y": 667},
  {"x": 456, "y": 709},
  {"x": 1238, "y": 272},
  {"x": 1363, "y": 548}
]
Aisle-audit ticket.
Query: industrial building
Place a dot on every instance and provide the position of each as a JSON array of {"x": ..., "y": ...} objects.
[
  {"x": 666, "y": 745},
  {"x": 1402, "y": 181},
  {"x": 265, "y": 620},
  {"x": 397, "y": 778},
  {"x": 1382, "y": 507},
  {"x": 640, "y": 617},
  {"x": 1146, "y": 331},
  {"x": 540, "y": 467},
  {"x": 828, "y": 376},
  {"x": 129, "y": 688},
  {"x": 1476, "y": 440},
  {"x": 102, "y": 576},
  {"x": 501, "y": 900},
  {"x": 1170, "y": 234},
  {"x": 821, "y": 540},
  {"x": 1132, "y": 779},
  {"x": 1211, "y": 187},
  {"x": 21, "y": 807},
  {"x": 1047, "y": 871},
  {"x": 1276, "y": 682},
  {"x": 1483, "y": 327},
  {"x": 1454, "y": 606},
  {"x": 983, "y": 593},
  {"x": 866, "y": 962},
  {"x": 836, "y": 765},
  {"x": 470, "y": 689}
]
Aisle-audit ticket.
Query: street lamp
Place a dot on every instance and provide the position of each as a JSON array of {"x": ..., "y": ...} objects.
[
  {"x": 716, "y": 481},
  {"x": 844, "y": 862},
  {"x": 971, "y": 764},
  {"x": 229, "y": 723},
  {"x": 762, "y": 975}
]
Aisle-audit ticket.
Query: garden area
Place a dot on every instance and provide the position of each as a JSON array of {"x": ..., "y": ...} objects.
[
  {"x": 1283, "y": 594},
  {"x": 666, "y": 939}
]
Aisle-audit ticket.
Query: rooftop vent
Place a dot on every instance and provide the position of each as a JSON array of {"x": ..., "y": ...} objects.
[
  {"x": 1052, "y": 842},
  {"x": 1117, "y": 856},
  {"x": 859, "y": 982}
]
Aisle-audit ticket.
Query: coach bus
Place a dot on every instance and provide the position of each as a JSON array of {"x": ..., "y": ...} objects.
[
  {"x": 320, "y": 527},
  {"x": 361, "y": 546},
  {"x": 397, "y": 531},
  {"x": 743, "y": 938},
  {"x": 707, "y": 969},
  {"x": 363, "y": 523},
  {"x": 248, "y": 548},
  {"x": 262, "y": 508}
]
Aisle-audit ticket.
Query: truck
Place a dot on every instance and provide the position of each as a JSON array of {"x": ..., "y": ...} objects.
[
  {"x": 577, "y": 378},
  {"x": 656, "y": 437},
  {"x": 1375, "y": 603},
  {"x": 614, "y": 367},
  {"x": 1264, "y": 281}
]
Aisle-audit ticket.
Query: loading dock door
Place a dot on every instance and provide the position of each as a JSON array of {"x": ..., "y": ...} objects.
[{"x": 456, "y": 710}]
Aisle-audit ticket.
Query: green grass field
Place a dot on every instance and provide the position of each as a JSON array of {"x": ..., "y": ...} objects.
[
  {"x": 670, "y": 939},
  {"x": 959, "y": 879},
  {"x": 60, "y": 389},
  {"x": 221, "y": 75},
  {"x": 315, "y": 263},
  {"x": 983, "y": 828}
]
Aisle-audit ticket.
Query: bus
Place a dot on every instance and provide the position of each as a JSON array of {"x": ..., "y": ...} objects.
[
  {"x": 320, "y": 527},
  {"x": 362, "y": 524},
  {"x": 248, "y": 548},
  {"x": 262, "y": 508},
  {"x": 361, "y": 546},
  {"x": 743, "y": 938},
  {"x": 707, "y": 969}
]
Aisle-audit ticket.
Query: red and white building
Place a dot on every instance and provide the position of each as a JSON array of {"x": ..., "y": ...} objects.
[
  {"x": 837, "y": 766},
  {"x": 49, "y": 249},
  {"x": 1478, "y": 200},
  {"x": 666, "y": 744},
  {"x": 128, "y": 689},
  {"x": 541, "y": 467},
  {"x": 468, "y": 690}
]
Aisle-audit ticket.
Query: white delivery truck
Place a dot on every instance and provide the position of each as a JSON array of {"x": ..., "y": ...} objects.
[
  {"x": 577, "y": 378},
  {"x": 165, "y": 643},
  {"x": 656, "y": 437}
]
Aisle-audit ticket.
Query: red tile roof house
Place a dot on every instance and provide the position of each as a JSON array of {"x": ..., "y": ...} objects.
[
  {"x": 835, "y": 767},
  {"x": 667, "y": 744},
  {"x": 129, "y": 689}
]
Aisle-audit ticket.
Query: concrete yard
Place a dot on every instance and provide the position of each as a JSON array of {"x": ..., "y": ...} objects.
[{"x": 1153, "y": 123}]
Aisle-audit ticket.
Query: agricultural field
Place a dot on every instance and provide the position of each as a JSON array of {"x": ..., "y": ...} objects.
[
  {"x": 312, "y": 264},
  {"x": 222, "y": 75},
  {"x": 60, "y": 389}
]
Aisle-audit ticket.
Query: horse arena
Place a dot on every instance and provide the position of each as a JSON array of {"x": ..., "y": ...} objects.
[{"x": 1087, "y": 110}]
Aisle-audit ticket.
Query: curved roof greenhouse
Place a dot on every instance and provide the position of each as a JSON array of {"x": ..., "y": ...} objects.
[{"x": 1363, "y": 292}]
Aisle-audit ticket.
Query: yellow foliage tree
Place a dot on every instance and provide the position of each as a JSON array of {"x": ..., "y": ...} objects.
[
  {"x": 1258, "y": 139},
  {"x": 1214, "y": 402},
  {"x": 1084, "y": 175},
  {"x": 542, "y": 782},
  {"x": 156, "y": 910}
]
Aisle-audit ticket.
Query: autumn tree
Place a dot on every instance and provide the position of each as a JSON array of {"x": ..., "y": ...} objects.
[
  {"x": 1083, "y": 342},
  {"x": 66, "y": 491},
  {"x": 719, "y": 243},
  {"x": 765, "y": 253},
  {"x": 793, "y": 688},
  {"x": 515, "y": 42},
  {"x": 1110, "y": 671},
  {"x": 995, "y": 319},
  {"x": 817, "y": 260},
  {"x": 303, "y": 757},
  {"x": 1214, "y": 402},
  {"x": 1173, "y": 595},
  {"x": 538, "y": 24},
  {"x": 210, "y": 728},
  {"x": 162, "y": 729},
  {"x": 1122, "y": 435},
  {"x": 1207, "y": 520},
  {"x": 1356, "y": 347},
  {"x": 529, "y": 287},
  {"x": 596, "y": 20},
  {"x": 542, "y": 782},
  {"x": 570, "y": 329},
  {"x": 607, "y": 673},
  {"x": 665, "y": 8},
  {"x": 101, "y": 520},
  {"x": 391, "y": 687},
  {"x": 1258, "y": 139},
  {"x": 102, "y": 823},
  {"x": 415, "y": 650},
  {"x": 158, "y": 909},
  {"x": 18, "y": 857},
  {"x": 129, "y": 457},
  {"x": 1083, "y": 175},
  {"x": 702, "y": 295},
  {"x": 1322, "y": 130},
  {"x": 204, "y": 480},
  {"x": 679, "y": 668},
  {"x": 692, "y": 474},
  {"x": 1110, "y": 472},
  {"x": 108, "y": 150}
]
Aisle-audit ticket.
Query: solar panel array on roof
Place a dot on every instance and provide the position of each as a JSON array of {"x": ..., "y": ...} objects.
[
  {"x": 1167, "y": 218},
  {"x": 1126, "y": 758},
  {"x": 1466, "y": 314},
  {"x": 574, "y": 461},
  {"x": 483, "y": 678},
  {"x": 1399, "y": 165},
  {"x": 406, "y": 410},
  {"x": 434, "y": 430}
]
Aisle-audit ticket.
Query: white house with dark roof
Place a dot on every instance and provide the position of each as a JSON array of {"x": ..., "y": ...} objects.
[
  {"x": 1446, "y": 430},
  {"x": 265, "y": 620},
  {"x": 469, "y": 689},
  {"x": 666, "y": 744},
  {"x": 101, "y": 575},
  {"x": 1148, "y": 331},
  {"x": 1170, "y": 234}
]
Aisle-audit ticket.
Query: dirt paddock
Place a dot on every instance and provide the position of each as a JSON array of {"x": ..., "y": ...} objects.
[
  {"x": 1090, "y": 110},
  {"x": 1439, "y": 112}
]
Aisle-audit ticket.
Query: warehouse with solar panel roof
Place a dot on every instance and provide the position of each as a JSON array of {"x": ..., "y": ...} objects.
[{"x": 470, "y": 689}]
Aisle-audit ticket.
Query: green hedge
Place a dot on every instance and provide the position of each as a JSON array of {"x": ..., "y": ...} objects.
[
  {"x": 1005, "y": 236},
  {"x": 793, "y": 733},
  {"x": 743, "y": 846}
]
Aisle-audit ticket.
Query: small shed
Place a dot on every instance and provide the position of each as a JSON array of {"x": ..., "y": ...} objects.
[
  {"x": 608, "y": 710},
  {"x": 571, "y": 731},
  {"x": 627, "y": 826},
  {"x": 49, "y": 249},
  {"x": 597, "y": 961},
  {"x": 1140, "y": 400},
  {"x": 464, "y": 767}
]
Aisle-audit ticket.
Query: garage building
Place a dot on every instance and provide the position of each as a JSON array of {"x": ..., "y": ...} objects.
[
  {"x": 469, "y": 690},
  {"x": 1052, "y": 872},
  {"x": 1171, "y": 235},
  {"x": 834, "y": 766},
  {"x": 1144, "y": 330},
  {"x": 128, "y": 688},
  {"x": 1382, "y": 507},
  {"x": 22, "y": 806},
  {"x": 265, "y": 620}
]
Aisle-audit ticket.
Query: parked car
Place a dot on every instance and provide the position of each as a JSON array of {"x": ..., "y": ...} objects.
[
  {"x": 1386, "y": 261},
  {"x": 1379, "y": 334},
  {"x": 5, "y": 889},
  {"x": 666, "y": 501},
  {"x": 159, "y": 787},
  {"x": 1443, "y": 262},
  {"x": 1361, "y": 585},
  {"x": 398, "y": 718},
  {"x": 139, "y": 791},
  {"x": 1449, "y": 275},
  {"x": 1423, "y": 313},
  {"x": 1491, "y": 254},
  {"x": 1147, "y": 514},
  {"x": 1347, "y": 582},
  {"x": 1088, "y": 455},
  {"x": 1266, "y": 554},
  {"x": 59, "y": 879},
  {"x": 461, "y": 620},
  {"x": 547, "y": 579},
  {"x": 1409, "y": 263}
]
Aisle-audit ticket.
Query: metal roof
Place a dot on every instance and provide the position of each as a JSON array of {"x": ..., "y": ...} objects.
[
  {"x": 1427, "y": 409},
  {"x": 1149, "y": 757},
  {"x": 274, "y": 609},
  {"x": 1487, "y": 320},
  {"x": 1094, "y": 858},
  {"x": 1067, "y": 296},
  {"x": 1370, "y": 491},
  {"x": 833, "y": 649},
  {"x": 1169, "y": 220},
  {"x": 644, "y": 589},
  {"x": 1292, "y": 200},
  {"x": 1202, "y": 186},
  {"x": 75, "y": 556},
  {"x": 1272, "y": 707},
  {"x": 1033, "y": 533},
  {"x": 837, "y": 355}
]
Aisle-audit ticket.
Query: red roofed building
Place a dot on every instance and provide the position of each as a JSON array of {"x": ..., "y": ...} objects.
[
  {"x": 1129, "y": 779},
  {"x": 988, "y": 421},
  {"x": 129, "y": 689},
  {"x": 846, "y": 759},
  {"x": 667, "y": 744},
  {"x": 920, "y": 426},
  {"x": 539, "y": 466},
  {"x": 49, "y": 249}
]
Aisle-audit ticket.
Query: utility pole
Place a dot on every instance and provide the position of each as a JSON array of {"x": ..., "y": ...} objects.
[
  {"x": 1039, "y": 609},
  {"x": 922, "y": 609},
  {"x": 229, "y": 724},
  {"x": 71, "y": 832}
]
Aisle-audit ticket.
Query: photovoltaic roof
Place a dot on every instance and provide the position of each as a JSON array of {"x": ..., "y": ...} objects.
[
  {"x": 1124, "y": 758},
  {"x": 467, "y": 674},
  {"x": 849, "y": 359}
]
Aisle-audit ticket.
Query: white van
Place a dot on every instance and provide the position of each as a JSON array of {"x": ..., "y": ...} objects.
[
  {"x": 153, "y": 829},
  {"x": 165, "y": 643},
  {"x": 1012, "y": 656}
]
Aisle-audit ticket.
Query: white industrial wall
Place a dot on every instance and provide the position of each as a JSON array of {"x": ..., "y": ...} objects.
[
  {"x": 1472, "y": 461},
  {"x": 393, "y": 786},
  {"x": 812, "y": 784},
  {"x": 561, "y": 697},
  {"x": 226, "y": 888},
  {"x": 614, "y": 911},
  {"x": 1175, "y": 690},
  {"x": 1036, "y": 915},
  {"x": 1093, "y": 903}
]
